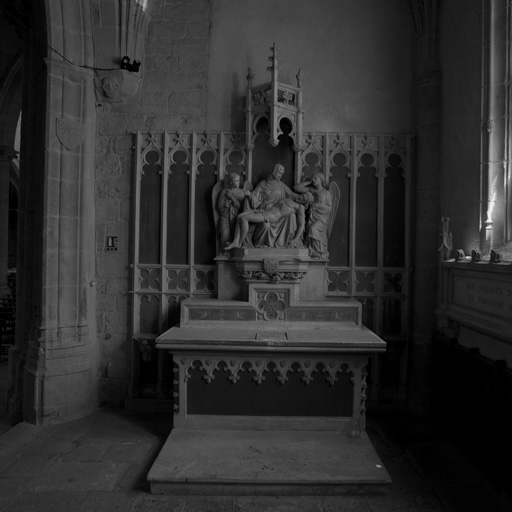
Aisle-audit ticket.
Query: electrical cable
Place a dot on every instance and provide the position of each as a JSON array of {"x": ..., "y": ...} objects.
[{"x": 37, "y": 36}]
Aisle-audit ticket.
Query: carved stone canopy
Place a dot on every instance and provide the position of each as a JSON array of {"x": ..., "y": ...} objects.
[{"x": 280, "y": 103}]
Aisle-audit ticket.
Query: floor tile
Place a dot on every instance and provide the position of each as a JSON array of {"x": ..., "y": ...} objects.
[{"x": 80, "y": 476}]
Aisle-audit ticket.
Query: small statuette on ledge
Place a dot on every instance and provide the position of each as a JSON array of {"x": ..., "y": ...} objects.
[
  {"x": 495, "y": 256},
  {"x": 460, "y": 256},
  {"x": 476, "y": 256}
]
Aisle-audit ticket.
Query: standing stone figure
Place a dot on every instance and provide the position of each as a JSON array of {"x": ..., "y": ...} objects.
[
  {"x": 446, "y": 246},
  {"x": 323, "y": 204},
  {"x": 229, "y": 202}
]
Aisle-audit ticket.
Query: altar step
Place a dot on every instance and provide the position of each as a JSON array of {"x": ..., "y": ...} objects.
[{"x": 242, "y": 462}]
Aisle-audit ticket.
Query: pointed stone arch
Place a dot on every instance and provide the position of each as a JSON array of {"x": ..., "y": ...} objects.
[{"x": 10, "y": 106}]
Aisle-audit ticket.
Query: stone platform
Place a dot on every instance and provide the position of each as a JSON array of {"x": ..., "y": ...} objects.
[{"x": 241, "y": 462}]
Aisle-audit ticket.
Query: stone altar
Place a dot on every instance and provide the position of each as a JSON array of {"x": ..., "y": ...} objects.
[{"x": 267, "y": 379}]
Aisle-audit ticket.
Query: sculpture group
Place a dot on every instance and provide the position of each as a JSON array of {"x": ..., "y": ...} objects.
[{"x": 274, "y": 216}]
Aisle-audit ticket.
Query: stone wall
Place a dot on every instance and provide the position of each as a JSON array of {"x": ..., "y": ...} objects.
[
  {"x": 356, "y": 62},
  {"x": 172, "y": 96},
  {"x": 461, "y": 63},
  {"x": 355, "y": 57}
]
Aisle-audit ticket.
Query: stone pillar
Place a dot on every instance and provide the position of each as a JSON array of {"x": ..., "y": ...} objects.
[
  {"x": 6, "y": 155},
  {"x": 61, "y": 376},
  {"x": 427, "y": 195},
  {"x": 53, "y": 367}
]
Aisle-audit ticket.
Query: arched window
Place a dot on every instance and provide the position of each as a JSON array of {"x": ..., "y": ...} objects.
[{"x": 495, "y": 170}]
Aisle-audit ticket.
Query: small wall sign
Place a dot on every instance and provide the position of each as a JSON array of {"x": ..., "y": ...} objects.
[{"x": 112, "y": 243}]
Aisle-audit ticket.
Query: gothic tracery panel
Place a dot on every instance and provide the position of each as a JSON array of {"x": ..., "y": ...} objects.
[
  {"x": 394, "y": 211},
  {"x": 339, "y": 170},
  {"x": 366, "y": 210},
  {"x": 174, "y": 224},
  {"x": 204, "y": 226},
  {"x": 150, "y": 205},
  {"x": 178, "y": 202}
]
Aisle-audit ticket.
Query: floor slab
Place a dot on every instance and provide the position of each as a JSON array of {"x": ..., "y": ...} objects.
[{"x": 263, "y": 462}]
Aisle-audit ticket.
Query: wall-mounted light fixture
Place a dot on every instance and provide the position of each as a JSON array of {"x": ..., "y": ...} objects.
[{"x": 130, "y": 66}]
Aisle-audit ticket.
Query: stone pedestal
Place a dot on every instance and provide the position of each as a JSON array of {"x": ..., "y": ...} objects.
[
  {"x": 271, "y": 362},
  {"x": 272, "y": 463}
]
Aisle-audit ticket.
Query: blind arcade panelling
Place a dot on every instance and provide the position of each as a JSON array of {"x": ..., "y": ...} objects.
[{"x": 174, "y": 232}]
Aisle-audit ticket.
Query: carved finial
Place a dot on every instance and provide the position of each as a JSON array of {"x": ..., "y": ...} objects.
[
  {"x": 235, "y": 138},
  {"x": 273, "y": 57},
  {"x": 205, "y": 137},
  {"x": 299, "y": 78},
  {"x": 274, "y": 68},
  {"x": 250, "y": 77}
]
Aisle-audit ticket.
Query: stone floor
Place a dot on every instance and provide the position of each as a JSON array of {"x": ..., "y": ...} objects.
[{"x": 100, "y": 463}]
